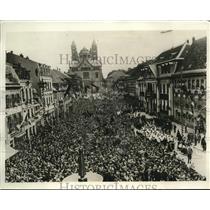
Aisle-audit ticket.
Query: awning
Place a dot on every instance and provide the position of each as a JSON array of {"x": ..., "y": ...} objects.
[{"x": 9, "y": 151}]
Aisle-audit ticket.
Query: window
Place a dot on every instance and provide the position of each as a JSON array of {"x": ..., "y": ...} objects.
[
  {"x": 189, "y": 84},
  {"x": 197, "y": 83},
  {"x": 168, "y": 86},
  {"x": 22, "y": 94},
  {"x": 96, "y": 74},
  {"x": 36, "y": 72},
  {"x": 86, "y": 75},
  {"x": 163, "y": 88},
  {"x": 7, "y": 102},
  {"x": 13, "y": 100},
  {"x": 20, "y": 117},
  {"x": 26, "y": 95},
  {"x": 193, "y": 84}
]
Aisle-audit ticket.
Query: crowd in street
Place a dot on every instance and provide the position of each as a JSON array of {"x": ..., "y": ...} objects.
[{"x": 104, "y": 127}]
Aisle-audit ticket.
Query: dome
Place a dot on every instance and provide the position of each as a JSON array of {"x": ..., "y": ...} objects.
[{"x": 84, "y": 51}]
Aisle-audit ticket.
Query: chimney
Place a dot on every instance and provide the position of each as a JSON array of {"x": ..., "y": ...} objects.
[
  {"x": 193, "y": 40},
  {"x": 11, "y": 52},
  {"x": 188, "y": 41}
]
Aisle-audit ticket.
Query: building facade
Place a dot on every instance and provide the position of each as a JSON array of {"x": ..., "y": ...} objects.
[
  {"x": 14, "y": 116},
  {"x": 27, "y": 126},
  {"x": 29, "y": 122},
  {"x": 174, "y": 85},
  {"x": 46, "y": 92},
  {"x": 189, "y": 82},
  {"x": 41, "y": 83},
  {"x": 146, "y": 88},
  {"x": 87, "y": 66},
  {"x": 166, "y": 64}
]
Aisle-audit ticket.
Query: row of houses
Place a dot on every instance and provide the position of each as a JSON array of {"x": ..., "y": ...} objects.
[
  {"x": 35, "y": 95},
  {"x": 172, "y": 86}
]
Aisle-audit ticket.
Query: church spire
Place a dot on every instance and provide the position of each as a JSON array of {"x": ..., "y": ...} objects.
[
  {"x": 74, "y": 54},
  {"x": 94, "y": 50}
]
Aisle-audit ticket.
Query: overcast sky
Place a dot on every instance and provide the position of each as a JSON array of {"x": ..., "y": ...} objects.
[{"x": 46, "y": 47}]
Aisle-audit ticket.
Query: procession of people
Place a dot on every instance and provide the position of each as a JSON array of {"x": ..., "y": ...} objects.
[{"x": 116, "y": 145}]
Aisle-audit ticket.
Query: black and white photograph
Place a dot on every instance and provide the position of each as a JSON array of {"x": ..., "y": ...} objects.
[{"x": 106, "y": 106}]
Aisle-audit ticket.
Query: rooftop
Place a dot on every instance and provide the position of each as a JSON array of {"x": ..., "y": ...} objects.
[
  {"x": 196, "y": 56},
  {"x": 58, "y": 77},
  {"x": 22, "y": 61},
  {"x": 169, "y": 54}
]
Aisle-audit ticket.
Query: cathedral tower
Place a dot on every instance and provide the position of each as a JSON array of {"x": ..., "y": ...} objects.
[
  {"x": 94, "y": 51},
  {"x": 74, "y": 54}
]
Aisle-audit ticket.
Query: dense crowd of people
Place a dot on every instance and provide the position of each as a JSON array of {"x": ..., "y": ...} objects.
[{"x": 104, "y": 128}]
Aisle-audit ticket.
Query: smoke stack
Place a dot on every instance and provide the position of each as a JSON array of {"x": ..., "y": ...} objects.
[{"x": 193, "y": 40}]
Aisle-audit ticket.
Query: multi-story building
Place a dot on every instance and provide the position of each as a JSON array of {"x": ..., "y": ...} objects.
[
  {"x": 41, "y": 82},
  {"x": 166, "y": 64},
  {"x": 14, "y": 116},
  {"x": 87, "y": 66},
  {"x": 173, "y": 85},
  {"x": 29, "y": 121},
  {"x": 46, "y": 92},
  {"x": 189, "y": 83},
  {"x": 146, "y": 87},
  {"x": 27, "y": 103}
]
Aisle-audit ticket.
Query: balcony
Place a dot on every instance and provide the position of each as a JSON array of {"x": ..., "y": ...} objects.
[
  {"x": 150, "y": 94},
  {"x": 17, "y": 133},
  {"x": 13, "y": 110}
]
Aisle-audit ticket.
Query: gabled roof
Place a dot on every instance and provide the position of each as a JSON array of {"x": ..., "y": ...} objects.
[{"x": 196, "y": 56}]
